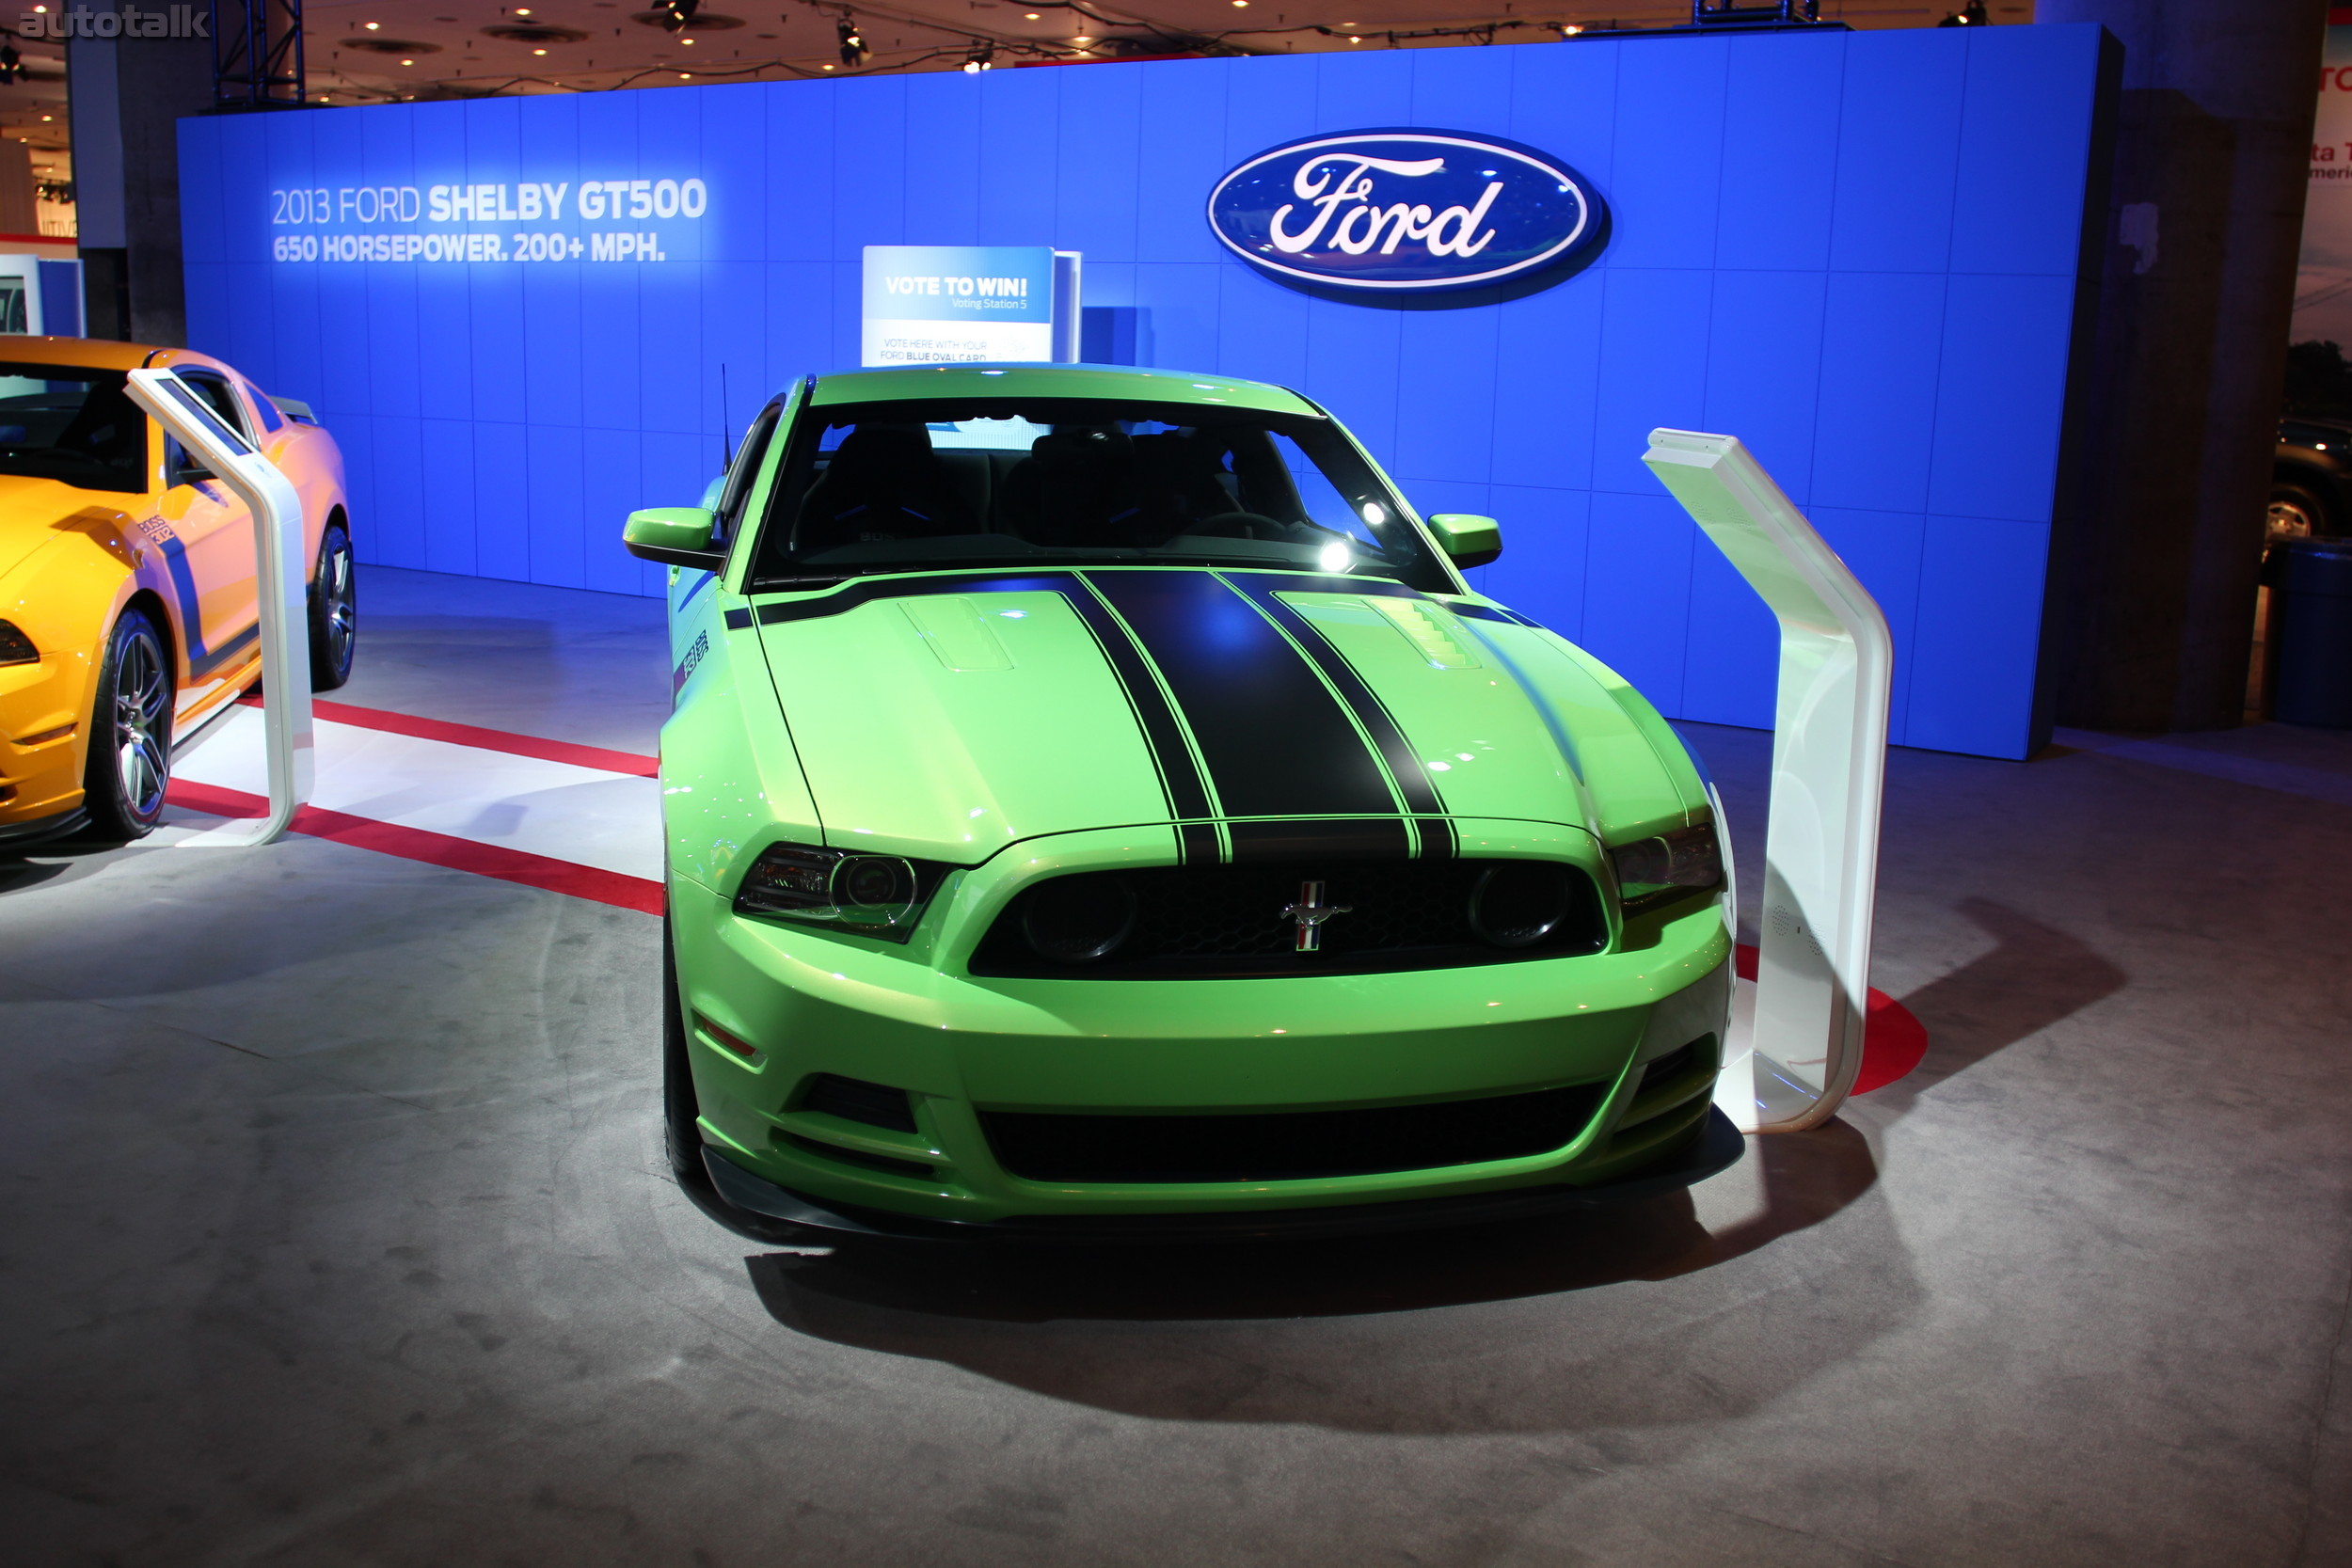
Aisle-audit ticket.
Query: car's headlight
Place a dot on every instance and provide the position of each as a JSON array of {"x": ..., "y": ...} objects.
[
  {"x": 873, "y": 895},
  {"x": 15, "y": 647},
  {"x": 1655, "y": 871}
]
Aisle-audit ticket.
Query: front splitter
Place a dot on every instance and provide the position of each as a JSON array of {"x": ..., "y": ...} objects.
[{"x": 1717, "y": 1147}]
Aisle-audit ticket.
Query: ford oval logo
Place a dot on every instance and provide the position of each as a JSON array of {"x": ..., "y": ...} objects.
[{"x": 1404, "y": 210}]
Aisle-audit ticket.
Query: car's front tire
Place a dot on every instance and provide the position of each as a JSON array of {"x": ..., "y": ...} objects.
[
  {"x": 130, "y": 732},
  {"x": 334, "y": 610},
  {"x": 680, "y": 1111}
]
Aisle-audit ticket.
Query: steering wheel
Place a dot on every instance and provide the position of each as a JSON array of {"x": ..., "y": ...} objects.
[{"x": 1239, "y": 525}]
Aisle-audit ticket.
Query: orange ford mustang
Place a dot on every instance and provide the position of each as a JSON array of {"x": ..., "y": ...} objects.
[{"x": 128, "y": 608}]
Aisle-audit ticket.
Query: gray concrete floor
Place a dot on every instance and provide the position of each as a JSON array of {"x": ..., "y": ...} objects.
[{"x": 339, "y": 1233}]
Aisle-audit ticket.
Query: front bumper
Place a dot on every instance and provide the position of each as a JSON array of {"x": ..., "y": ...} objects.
[
  {"x": 41, "y": 783},
  {"x": 1715, "y": 1147},
  {"x": 809, "y": 1004}
]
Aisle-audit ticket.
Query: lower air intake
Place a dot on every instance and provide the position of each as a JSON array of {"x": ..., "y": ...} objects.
[
  {"x": 854, "y": 1100},
  {"x": 1286, "y": 1145}
]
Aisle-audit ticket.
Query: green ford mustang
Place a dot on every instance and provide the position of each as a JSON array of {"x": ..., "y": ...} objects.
[{"x": 1096, "y": 804}]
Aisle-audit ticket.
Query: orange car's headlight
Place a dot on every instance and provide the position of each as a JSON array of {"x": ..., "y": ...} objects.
[{"x": 15, "y": 647}]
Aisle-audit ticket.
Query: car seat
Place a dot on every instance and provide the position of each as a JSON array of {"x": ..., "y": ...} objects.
[
  {"x": 1079, "y": 485},
  {"x": 883, "y": 481}
]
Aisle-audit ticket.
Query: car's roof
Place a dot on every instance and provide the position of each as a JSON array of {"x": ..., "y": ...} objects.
[
  {"x": 1122, "y": 382},
  {"x": 103, "y": 353}
]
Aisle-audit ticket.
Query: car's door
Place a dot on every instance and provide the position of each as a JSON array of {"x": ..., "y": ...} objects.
[{"x": 216, "y": 533}]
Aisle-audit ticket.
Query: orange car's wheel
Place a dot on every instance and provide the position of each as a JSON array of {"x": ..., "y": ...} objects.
[
  {"x": 334, "y": 611},
  {"x": 130, "y": 732}
]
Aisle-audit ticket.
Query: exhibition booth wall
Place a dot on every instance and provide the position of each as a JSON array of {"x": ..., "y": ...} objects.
[{"x": 1858, "y": 252}]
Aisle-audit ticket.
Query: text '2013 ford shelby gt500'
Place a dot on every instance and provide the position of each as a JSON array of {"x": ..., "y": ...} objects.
[{"x": 1096, "y": 802}]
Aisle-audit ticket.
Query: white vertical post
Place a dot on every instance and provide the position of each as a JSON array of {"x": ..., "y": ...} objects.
[
  {"x": 282, "y": 568},
  {"x": 1829, "y": 758}
]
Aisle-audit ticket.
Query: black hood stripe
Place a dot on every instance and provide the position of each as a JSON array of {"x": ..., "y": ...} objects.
[
  {"x": 1276, "y": 741},
  {"x": 1180, "y": 775},
  {"x": 1412, "y": 780},
  {"x": 1361, "y": 838}
]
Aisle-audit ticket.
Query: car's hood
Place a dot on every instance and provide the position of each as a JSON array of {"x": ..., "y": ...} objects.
[
  {"x": 30, "y": 509},
  {"x": 949, "y": 716}
]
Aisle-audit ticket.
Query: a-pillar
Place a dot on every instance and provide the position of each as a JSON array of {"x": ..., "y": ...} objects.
[{"x": 2152, "y": 594}]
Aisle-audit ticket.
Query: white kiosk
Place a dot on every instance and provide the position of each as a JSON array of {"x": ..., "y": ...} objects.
[
  {"x": 1797, "y": 1030},
  {"x": 280, "y": 561}
]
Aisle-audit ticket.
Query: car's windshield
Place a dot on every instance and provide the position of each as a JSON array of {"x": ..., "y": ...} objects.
[
  {"x": 1029, "y": 481},
  {"x": 72, "y": 424}
]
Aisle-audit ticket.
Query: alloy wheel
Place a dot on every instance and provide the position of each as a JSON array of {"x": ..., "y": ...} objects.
[
  {"x": 142, "y": 713},
  {"x": 343, "y": 608}
]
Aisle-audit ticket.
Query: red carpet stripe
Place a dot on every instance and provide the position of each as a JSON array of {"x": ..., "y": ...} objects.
[
  {"x": 482, "y": 739},
  {"x": 415, "y": 844}
]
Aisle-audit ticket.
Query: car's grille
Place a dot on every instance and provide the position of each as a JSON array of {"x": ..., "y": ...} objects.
[
  {"x": 1229, "y": 922},
  {"x": 1286, "y": 1145}
]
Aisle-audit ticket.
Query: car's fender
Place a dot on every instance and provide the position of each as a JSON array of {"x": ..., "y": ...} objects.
[
  {"x": 726, "y": 731},
  {"x": 66, "y": 596}
]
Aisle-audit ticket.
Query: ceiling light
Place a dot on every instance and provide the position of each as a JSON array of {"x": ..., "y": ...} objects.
[
  {"x": 1354, "y": 40},
  {"x": 685, "y": 75},
  {"x": 538, "y": 51},
  {"x": 688, "y": 42},
  {"x": 373, "y": 26},
  {"x": 408, "y": 62},
  {"x": 1243, "y": 5}
]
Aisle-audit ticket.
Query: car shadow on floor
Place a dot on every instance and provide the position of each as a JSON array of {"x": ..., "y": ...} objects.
[
  {"x": 1805, "y": 1177},
  {"x": 1634, "y": 1317},
  {"x": 58, "y": 860}
]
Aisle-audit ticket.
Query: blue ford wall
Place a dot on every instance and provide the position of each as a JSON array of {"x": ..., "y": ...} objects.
[{"x": 1855, "y": 251}]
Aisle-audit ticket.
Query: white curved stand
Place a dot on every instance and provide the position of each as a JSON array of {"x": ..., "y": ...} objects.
[
  {"x": 278, "y": 558},
  {"x": 1804, "y": 1016}
]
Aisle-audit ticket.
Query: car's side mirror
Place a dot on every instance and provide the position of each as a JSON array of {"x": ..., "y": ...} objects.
[
  {"x": 1467, "y": 539},
  {"x": 672, "y": 535}
]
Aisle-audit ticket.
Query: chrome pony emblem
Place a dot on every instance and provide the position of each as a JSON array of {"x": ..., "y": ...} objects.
[{"x": 1310, "y": 914}]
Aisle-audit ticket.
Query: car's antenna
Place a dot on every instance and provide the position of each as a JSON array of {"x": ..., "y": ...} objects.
[{"x": 726, "y": 437}]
